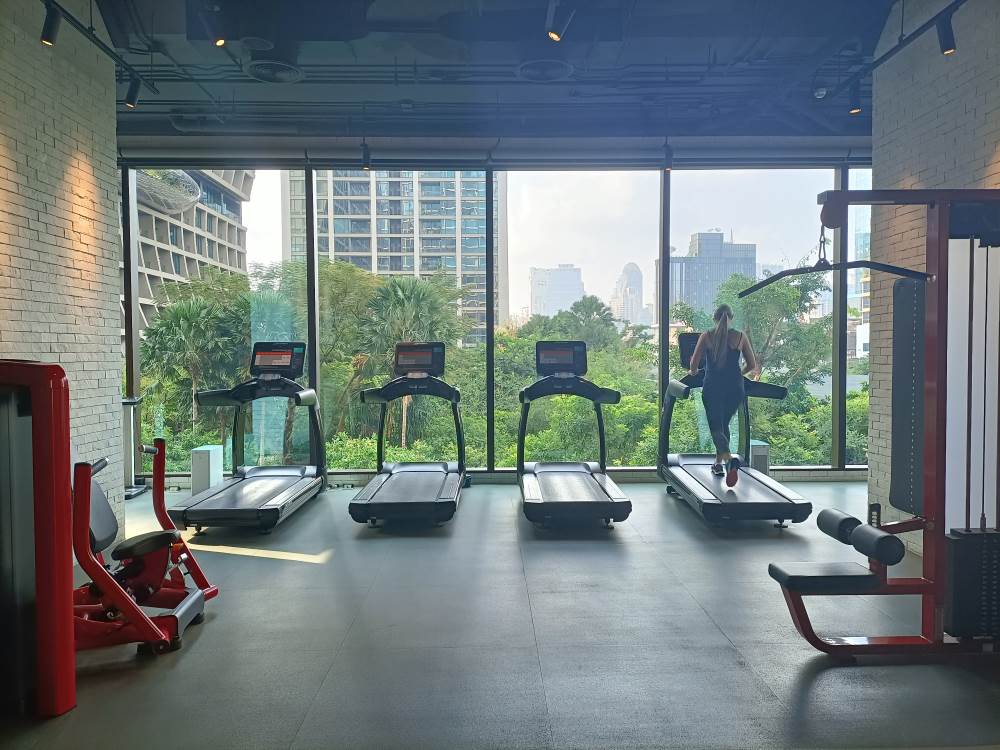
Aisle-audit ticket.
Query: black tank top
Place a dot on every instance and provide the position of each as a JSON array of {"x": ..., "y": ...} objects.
[{"x": 726, "y": 373}]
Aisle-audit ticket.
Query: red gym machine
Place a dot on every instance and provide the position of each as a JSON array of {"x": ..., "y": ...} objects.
[
  {"x": 959, "y": 586},
  {"x": 150, "y": 571},
  {"x": 43, "y": 521}
]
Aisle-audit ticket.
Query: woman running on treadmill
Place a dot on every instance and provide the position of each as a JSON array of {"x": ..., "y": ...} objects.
[{"x": 722, "y": 391}]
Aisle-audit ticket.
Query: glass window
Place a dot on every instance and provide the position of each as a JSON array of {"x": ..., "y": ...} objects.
[
  {"x": 322, "y": 187},
  {"x": 470, "y": 262},
  {"x": 352, "y": 226},
  {"x": 437, "y": 244},
  {"x": 473, "y": 208},
  {"x": 393, "y": 208},
  {"x": 473, "y": 226},
  {"x": 565, "y": 287},
  {"x": 297, "y": 188},
  {"x": 352, "y": 244},
  {"x": 394, "y": 226},
  {"x": 351, "y": 208},
  {"x": 437, "y": 208},
  {"x": 322, "y": 206},
  {"x": 395, "y": 244},
  {"x": 729, "y": 228},
  {"x": 323, "y": 225},
  {"x": 367, "y": 306},
  {"x": 390, "y": 173},
  {"x": 473, "y": 244},
  {"x": 438, "y": 226},
  {"x": 437, "y": 189},
  {"x": 437, "y": 262},
  {"x": 350, "y": 173},
  {"x": 479, "y": 175},
  {"x": 297, "y": 205},
  {"x": 200, "y": 334},
  {"x": 298, "y": 223},
  {"x": 473, "y": 189},
  {"x": 403, "y": 189},
  {"x": 323, "y": 243},
  {"x": 395, "y": 263},
  {"x": 440, "y": 173}
]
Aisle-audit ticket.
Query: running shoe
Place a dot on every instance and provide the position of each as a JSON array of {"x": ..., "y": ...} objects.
[{"x": 733, "y": 472}]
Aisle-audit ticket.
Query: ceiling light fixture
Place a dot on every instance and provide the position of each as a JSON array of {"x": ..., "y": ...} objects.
[
  {"x": 366, "y": 156},
  {"x": 555, "y": 28},
  {"x": 946, "y": 35},
  {"x": 50, "y": 29},
  {"x": 220, "y": 42},
  {"x": 854, "y": 107},
  {"x": 132, "y": 95}
]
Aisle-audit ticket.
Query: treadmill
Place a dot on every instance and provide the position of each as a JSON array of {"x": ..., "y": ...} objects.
[
  {"x": 260, "y": 496},
  {"x": 756, "y": 497},
  {"x": 412, "y": 490},
  {"x": 563, "y": 491}
]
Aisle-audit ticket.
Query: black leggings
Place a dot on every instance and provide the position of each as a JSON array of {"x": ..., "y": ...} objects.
[{"x": 720, "y": 408}]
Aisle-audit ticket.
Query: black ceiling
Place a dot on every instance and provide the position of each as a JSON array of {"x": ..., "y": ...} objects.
[{"x": 468, "y": 68}]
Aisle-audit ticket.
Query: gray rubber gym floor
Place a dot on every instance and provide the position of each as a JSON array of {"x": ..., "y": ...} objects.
[{"x": 489, "y": 633}]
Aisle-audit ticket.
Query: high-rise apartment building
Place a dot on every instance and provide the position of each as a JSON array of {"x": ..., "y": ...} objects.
[
  {"x": 859, "y": 287},
  {"x": 554, "y": 289},
  {"x": 711, "y": 260},
  {"x": 416, "y": 223},
  {"x": 626, "y": 301},
  {"x": 188, "y": 221}
]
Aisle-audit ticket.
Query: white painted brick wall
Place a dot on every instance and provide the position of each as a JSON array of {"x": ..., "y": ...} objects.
[
  {"x": 936, "y": 125},
  {"x": 59, "y": 243}
]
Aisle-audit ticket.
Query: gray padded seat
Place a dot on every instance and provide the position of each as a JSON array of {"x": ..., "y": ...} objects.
[
  {"x": 143, "y": 544},
  {"x": 824, "y": 577}
]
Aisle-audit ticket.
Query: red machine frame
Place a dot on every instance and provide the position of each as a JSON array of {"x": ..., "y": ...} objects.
[
  {"x": 92, "y": 602},
  {"x": 932, "y": 585},
  {"x": 55, "y": 660}
]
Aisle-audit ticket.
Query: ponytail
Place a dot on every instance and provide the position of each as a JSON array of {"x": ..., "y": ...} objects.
[{"x": 718, "y": 337}]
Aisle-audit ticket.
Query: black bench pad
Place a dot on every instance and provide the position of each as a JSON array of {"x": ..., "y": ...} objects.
[
  {"x": 824, "y": 577},
  {"x": 143, "y": 544}
]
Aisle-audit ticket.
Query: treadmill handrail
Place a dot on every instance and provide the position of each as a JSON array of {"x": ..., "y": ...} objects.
[
  {"x": 573, "y": 385},
  {"x": 239, "y": 396},
  {"x": 407, "y": 386},
  {"x": 680, "y": 389}
]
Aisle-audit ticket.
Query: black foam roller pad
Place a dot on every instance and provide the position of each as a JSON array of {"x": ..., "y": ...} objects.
[
  {"x": 879, "y": 544},
  {"x": 837, "y": 524}
]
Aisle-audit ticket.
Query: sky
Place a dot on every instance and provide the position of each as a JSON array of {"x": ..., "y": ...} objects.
[{"x": 600, "y": 221}]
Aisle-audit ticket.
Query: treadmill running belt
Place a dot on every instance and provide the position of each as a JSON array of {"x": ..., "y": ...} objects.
[
  {"x": 411, "y": 486},
  {"x": 250, "y": 493},
  {"x": 747, "y": 489},
  {"x": 570, "y": 486}
]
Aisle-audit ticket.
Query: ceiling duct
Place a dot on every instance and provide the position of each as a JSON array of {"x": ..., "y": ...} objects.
[{"x": 276, "y": 65}]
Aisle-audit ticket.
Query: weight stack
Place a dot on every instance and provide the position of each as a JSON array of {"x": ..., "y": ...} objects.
[{"x": 972, "y": 608}]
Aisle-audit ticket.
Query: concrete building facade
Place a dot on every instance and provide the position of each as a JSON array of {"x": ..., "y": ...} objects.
[
  {"x": 711, "y": 260},
  {"x": 417, "y": 223},
  {"x": 554, "y": 289}
]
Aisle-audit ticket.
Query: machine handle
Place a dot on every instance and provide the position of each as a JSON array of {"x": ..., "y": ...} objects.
[
  {"x": 98, "y": 466},
  {"x": 149, "y": 449}
]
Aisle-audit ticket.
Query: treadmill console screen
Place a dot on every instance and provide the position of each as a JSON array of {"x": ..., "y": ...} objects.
[
  {"x": 427, "y": 358},
  {"x": 553, "y": 357},
  {"x": 284, "y": 358}
]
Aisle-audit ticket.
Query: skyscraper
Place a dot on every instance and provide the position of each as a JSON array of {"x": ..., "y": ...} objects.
[
  {"x": 415, "y": 223},
  {"x": 188, "y": 221},
  {"x": 626, "y": 301},
  {"x": 554, "y": 289},
  {"x": 696, "y": 278}
]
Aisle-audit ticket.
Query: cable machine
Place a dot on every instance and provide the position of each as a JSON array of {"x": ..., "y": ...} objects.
[{"x": 959, "y": 585}]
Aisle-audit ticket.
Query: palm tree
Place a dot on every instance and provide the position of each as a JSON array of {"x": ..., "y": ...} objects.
[
  {"x": 407, "y": 308},
  {"x": 186, "y": 341}
]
